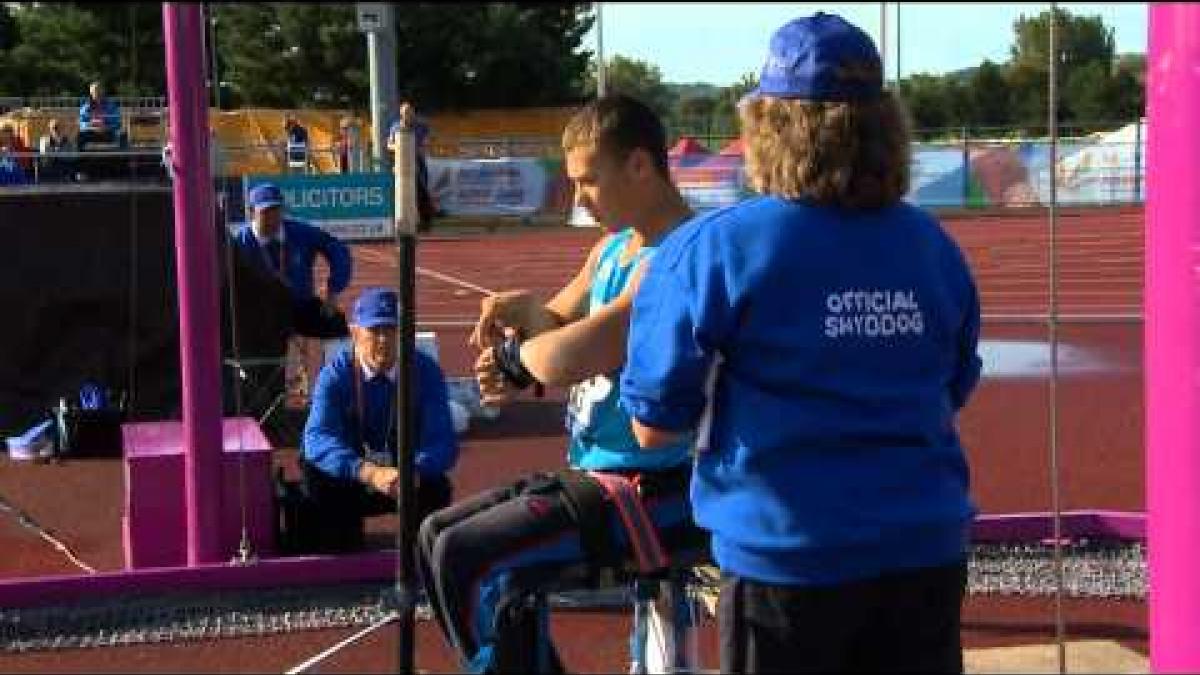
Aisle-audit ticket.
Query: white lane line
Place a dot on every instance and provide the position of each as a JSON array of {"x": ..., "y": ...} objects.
[{"x": 462, "y": 283}]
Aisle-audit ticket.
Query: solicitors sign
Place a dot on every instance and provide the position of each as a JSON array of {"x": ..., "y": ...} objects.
[{"x": 350, "y": 206}]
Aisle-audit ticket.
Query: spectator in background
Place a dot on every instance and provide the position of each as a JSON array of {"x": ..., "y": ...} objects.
[
  {"x": 53, "y": 165},
  {"x": 408, "y": 119},
  {"x": 296, "y": 150},
  {"x": 20, "y": 153},
  {"x": 346, "y": 146},
  {"x": 11, "y": 170},
  {"x": 99, "y": 119}
]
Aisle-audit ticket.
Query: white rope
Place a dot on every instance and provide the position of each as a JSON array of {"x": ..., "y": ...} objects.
[{"x": 245, "y": 554}]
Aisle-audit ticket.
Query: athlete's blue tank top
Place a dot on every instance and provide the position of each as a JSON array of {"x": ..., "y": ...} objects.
[{"x": 601, "y": 436}]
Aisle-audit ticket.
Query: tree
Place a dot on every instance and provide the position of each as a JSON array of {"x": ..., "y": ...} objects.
[
  {"x": 1080, "y": 40},
  {"x": 1092, "y": 95},
  {"x": 251, "y": 48},
  {"x": 61, "y": 47},
  {"x": 925, "y": 97},
  {"x": 727, "y": 103},
  {"x": 988, "y": 96},
  {"x": 8, "y": 29},
  {"x": 8, "y": 39},
  {"x": 1086, "y": 50},
  {"x": 638, "y": 79},
  {"x": 448, "y": 56},
  {"x": 1129, "y": 80},
  {"x": 1029, "y": 96}
]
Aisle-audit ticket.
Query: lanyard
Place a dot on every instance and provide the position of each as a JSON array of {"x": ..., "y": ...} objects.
[
  {"x": 281, "y": 271},
  {"x": 359, "y": 405}
]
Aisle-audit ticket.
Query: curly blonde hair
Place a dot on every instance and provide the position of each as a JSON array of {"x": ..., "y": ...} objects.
[{"x": 849, "y": 154}]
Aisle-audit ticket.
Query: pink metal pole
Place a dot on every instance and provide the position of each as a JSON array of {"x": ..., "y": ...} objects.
[
  {"x": 1173, "y": 337},
  {"x": 196, "y": 265}
]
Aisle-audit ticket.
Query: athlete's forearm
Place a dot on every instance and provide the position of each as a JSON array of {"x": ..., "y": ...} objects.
[{"x": 577, "y": 351}]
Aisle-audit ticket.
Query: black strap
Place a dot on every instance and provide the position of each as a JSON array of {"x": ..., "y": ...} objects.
[{"x": 508, "y": 361}]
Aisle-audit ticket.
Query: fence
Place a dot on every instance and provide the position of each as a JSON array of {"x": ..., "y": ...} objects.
[{"x": 517, "y": 171}]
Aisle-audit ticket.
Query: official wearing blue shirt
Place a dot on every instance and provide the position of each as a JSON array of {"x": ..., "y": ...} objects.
[
  {"x": 407, "y": 118},
  {"x": 349, "y": 446},
  {"x": 99, "y": 119},
  {"x": 822, "y": 337},
  {"x": 287, "y": 248}
]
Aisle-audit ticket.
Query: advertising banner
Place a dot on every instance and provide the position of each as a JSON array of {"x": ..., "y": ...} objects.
[{"x": 350, "y": 206}]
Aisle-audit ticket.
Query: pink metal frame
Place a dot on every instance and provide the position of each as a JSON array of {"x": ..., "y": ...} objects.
[{"x": 1172, "y": 336}]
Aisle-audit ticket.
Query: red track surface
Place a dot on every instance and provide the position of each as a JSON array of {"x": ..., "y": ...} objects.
[{"x": 1005, "y": 428}]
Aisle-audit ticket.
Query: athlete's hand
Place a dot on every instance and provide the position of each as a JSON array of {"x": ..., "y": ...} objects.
[
  {"x": 493, "y": 389},
  {"x": 517, "y": 310}
]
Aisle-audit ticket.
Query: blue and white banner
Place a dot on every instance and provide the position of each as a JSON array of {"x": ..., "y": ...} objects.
[
  {"x": 350, "y": 206},
  {"x": 511, "y": 186}
]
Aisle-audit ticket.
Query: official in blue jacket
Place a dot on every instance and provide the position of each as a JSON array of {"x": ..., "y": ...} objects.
[
  {"x": 349, "y": 450},
  {"x": 822, "y": 338},
  {"x": 99, "y": 119},
  {"x": 287, "y": 248}
]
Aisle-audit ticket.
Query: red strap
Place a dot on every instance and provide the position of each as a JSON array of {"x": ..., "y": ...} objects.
[{"x": 643, "y": 535}]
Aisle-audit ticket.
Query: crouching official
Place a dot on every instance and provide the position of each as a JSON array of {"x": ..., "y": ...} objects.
[{"x": 349, "y": 453}]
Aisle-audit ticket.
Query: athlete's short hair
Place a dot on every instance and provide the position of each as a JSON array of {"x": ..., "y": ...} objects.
[{"x": 617, "y": 125}]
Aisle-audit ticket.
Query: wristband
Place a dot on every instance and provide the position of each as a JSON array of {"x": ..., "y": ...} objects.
[{"x": 508, "y": 361}]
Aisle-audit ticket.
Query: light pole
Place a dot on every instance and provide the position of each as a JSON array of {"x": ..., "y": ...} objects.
[
  {"x": 600, "y": 83},
  {"x": 214, "y": 79}
]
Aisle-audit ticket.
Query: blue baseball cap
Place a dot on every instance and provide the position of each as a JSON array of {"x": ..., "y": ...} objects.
[
  {"x": 376, "y": 306},
  {"x": 820, "y": 58},
  {"x": 265, "y": 195}
]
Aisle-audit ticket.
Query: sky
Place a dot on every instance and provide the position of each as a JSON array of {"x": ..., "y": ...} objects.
[{"x": 717, "y": 42}]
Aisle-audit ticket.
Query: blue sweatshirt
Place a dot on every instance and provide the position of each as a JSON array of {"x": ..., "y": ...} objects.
[
  {"x": 332, "y": 440},
  {"x": 108, "y": 110},
  {"x": 847, "y": 343},
  {"x": 302, "y": 242}
]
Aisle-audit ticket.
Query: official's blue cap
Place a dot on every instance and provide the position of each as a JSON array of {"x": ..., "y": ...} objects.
[
  {"x": 265, "y": 195},
  {"x": 376, "y": 306},
  {"x": 821, "y": 58}
]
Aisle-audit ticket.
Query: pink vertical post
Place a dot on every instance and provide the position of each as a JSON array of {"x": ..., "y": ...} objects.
[
  {"x": 196, "y": 265},
  {"x": 1172, "y": 336}
]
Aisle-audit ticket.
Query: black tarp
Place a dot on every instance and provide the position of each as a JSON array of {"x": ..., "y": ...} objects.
[{"x": 89, "y": 294}]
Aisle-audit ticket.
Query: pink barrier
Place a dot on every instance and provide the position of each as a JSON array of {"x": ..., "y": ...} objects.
[
  {"x": 1030, "y": 527},
  {"x": 1172, "y": 336},
  {"x": 154, "y": 521},
  {"x": 270, "y": 573}
]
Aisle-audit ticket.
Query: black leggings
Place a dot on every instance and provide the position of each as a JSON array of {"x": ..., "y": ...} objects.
[{"x": 483, "y": 559}]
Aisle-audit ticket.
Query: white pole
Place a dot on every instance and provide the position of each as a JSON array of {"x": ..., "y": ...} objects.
[
  {"x": 883, "y": 50},
  {"x": 1052, "y": 325},
  {"x": 600, "y": 84}
]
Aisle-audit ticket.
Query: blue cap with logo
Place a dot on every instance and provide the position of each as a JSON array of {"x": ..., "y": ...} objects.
[
  {"x": 265, "y": 195},
  {"x": 376, "y": 306},
  {"x": 821, "y": 58}
]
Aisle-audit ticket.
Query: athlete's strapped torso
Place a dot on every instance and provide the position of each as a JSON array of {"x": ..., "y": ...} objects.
[{"x": 601, "y": 435}]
